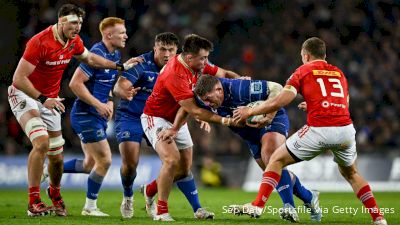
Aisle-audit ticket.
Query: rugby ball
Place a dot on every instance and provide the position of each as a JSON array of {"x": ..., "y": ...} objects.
[{"x": 256, "y": 118}]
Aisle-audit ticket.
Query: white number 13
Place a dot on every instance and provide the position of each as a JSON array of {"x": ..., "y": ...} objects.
[{"x": 335, "y": 84}]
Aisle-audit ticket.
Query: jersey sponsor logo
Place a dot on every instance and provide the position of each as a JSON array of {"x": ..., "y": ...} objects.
[
  {"x": 327, "y": 104},
  {"x": 58, "y": 62},
  {"x": 326, "y": 73},
  {"x": 256, "y": 87}
]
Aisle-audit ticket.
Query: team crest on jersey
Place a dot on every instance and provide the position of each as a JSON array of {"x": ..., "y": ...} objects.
[
  {"x": 71, "y": 46},
  {"x": 106, "y": 70},
  {"x": 256, "y": 87},
  {"x": 150, "y": 79},
  {"x": 61, "y": 56}
]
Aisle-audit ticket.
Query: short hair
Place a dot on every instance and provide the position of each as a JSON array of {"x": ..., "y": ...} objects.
[
  {"x": 167, "y": 38},
  {"x": 110, "y": 22},
  {"x": 194, "y": 43},
  {"x": 205, "y": 84},
  {"x": 315, "y": 47},
  {"x": 70, "y": 9}
]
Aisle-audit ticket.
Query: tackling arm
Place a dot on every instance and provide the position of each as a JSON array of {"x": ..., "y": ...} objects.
[
  {"x": 189, "y": 105},
  {"x": 270, "y": 105},
  {"x": 273, "y": 104},
  {"x": 226, "y": 73}
]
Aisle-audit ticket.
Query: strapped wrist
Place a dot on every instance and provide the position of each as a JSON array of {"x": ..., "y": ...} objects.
[
  {"x": 42, "y": 98},
  {"x": 119, "y": 66},
  {"x": 226, "y": 121}
]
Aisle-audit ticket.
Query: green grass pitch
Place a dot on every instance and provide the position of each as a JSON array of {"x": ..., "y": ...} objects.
[{"x": 339, "y": 208}]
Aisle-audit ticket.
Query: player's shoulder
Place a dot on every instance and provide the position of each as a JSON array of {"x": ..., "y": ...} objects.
[
  {"x": 99, "y": 48},
  {"x": 42, "y": 37},
  {"x": 148, "y": 61}
]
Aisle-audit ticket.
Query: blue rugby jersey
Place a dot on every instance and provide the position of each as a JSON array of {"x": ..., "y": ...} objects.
[
  {"x": 239, "y": 92},
  {"x": 143, "y": 75},
  {"x": 100, "y": 81}
]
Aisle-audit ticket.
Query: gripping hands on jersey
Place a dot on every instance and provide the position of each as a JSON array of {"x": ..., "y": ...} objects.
[
  {"x": 129, "y": 64},
  {"x": 55, "y": 104}
]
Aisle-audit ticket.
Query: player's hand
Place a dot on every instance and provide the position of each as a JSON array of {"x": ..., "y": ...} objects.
[
  {"x": 303, "y": 106},
  {"x": 132, "y": 62},
  {"x": 111, "y": 105},
  {"x": 167, "y": 135},
  {"x": 241, "y": 114},
  {"x": 55, "y": 104},
  {"x": 204, "y": 125},
  {"x": 104, "y": 109},
  {"x": 244, "y": 78},
  {"x": 130, "y": 94}
]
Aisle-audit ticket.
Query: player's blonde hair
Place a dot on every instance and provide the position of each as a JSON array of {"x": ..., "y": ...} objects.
[{"x": 110, "y": 22}]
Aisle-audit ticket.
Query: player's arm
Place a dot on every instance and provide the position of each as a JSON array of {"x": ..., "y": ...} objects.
[
  {"x": 124, "y": 89},
  {"x": 190, "y": 106},
  {"x": 226, "y": 73},
  {"x": 97, "y": 61},
  {"x": 21, "y": 81},
  {"x": 77, "y": 85},
  {"x": 270, "y": 105}
]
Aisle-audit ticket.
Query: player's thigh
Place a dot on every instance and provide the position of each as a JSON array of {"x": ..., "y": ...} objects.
[
  {"x": 129, "y": 151},
  {"x": 345, "y": 152},
  {"x": 271, "y": 141},
  {"x": 282, "y": 157},
  {"x": 166, "y": 149},
  {"x": 100, "y": 151},
  {"x": 305, "y": 143}
]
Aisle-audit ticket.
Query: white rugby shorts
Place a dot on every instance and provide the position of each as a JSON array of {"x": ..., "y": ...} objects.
[
  {"x": 21, "y": 103},
  {"x": 309, "y": 142},
  {"x": 153, "y": 125}
]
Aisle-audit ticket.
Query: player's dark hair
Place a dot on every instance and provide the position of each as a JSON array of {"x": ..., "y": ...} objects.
[
  {"x": 167, "y": 38},
  {"x": 315, "y": 47},
  {"x": 70, "y": 9},
  {"x": 205, "y": 84},
  {"x": 194, "y": 43}
]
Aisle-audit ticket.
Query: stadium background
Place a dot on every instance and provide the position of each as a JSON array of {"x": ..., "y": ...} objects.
[{"x": 256, "y": 38}]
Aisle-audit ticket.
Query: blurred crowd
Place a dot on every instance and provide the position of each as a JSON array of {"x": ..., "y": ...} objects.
[{"x": 261, "y": 39}]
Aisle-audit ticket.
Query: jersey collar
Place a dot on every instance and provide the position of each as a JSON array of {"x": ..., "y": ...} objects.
[
  {"x": 58, "y": 38},
  {"x": 180, "y": 59}
]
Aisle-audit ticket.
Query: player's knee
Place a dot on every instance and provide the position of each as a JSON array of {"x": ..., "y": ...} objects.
[
  {"x": 35, "y": 128},
  {"x": 348, "y": 173},
  {"x": 41, "y": 144},
  {"x": 172, "y": 162},
  {"x": 130, "y": 168},
  {"x": 106, "y": 163}
]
